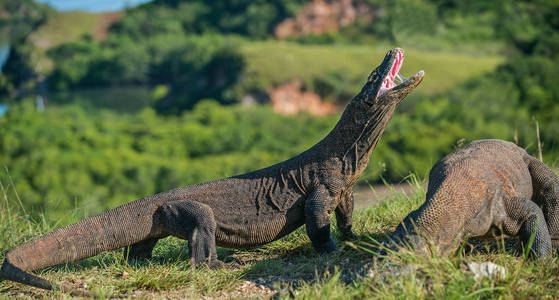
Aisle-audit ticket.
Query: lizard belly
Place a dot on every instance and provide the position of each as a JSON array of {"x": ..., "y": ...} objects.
[{"x": 250, "y": 234}]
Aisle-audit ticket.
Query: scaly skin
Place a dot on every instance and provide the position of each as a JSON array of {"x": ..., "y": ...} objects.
[
  {"x": 488, "y": 189},
  {"x": 241, "y": 211}
]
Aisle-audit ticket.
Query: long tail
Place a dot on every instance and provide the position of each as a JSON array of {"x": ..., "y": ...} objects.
[{"x": 116, "y": 228}]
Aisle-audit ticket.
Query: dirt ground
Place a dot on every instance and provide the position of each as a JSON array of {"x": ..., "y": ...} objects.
[{"x": 366, "y": 196}]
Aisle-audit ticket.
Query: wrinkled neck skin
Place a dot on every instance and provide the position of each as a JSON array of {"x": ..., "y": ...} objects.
[{"x": 360, "y": 128}]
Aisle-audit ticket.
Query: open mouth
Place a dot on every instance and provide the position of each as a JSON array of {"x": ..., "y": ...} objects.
[{"x": 393, "y": 75}]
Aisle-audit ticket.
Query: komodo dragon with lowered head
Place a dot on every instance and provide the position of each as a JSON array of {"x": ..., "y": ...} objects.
[
  {"x": 488, "y": 189},
  {"x": 241, "y": 211}
]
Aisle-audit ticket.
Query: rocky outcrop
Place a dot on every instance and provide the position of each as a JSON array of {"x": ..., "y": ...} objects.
[
  {"x": 290, "y": 99},
  {"x": 321, "y": 16},
  {"x": 106, "y": 20}
]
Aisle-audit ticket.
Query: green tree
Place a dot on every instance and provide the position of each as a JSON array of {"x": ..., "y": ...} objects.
[
  {"x": 250, "y": 18},
  {"x": 204, "y": 67}
]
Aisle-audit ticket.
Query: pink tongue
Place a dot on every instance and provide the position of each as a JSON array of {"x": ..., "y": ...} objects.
[{"x": 388, "y": 82}]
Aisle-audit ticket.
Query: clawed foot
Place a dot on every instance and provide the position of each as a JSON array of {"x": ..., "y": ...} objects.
[
  {"x": 349, "y": 236},
  {"x": 327, "y": 247},
  {"x": 218, "y": 264}
]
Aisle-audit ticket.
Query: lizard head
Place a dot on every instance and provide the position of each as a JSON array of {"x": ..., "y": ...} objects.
[
  {"x": 368, "y": 113},
  {"x": 381, "y": 87},
  {"x": 373, "y": 107},
  {"x": 413, "y": 237}
]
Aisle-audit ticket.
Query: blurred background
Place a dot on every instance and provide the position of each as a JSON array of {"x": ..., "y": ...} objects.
[{"x": 103, "y": 102}]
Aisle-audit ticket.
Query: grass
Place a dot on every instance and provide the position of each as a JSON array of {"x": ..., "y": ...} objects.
[
  {"x": 289, "y": 268},
  {"x": 276, "y": 62}
]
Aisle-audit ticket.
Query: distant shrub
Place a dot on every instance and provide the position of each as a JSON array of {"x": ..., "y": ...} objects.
[
  {"x": 65, "y": 157},
  {"x": 194, "y": 67},
  {"x": 203, "y": 67},
  {"x": 256, "y": 19}
]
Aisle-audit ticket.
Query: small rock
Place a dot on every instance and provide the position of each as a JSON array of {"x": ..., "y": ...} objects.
[
  {"x": 367, "y": 270},
  {"x": 487, "y": 270},
  {"x": 385, "y": 270},
  {"x": 124, "y": 274}
]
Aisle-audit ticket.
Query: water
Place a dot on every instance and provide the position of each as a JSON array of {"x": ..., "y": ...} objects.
[
  {"x": 120, "y": 99},
  {"x": 4, "y": 53},
  {"x": 129, "y": 99}
]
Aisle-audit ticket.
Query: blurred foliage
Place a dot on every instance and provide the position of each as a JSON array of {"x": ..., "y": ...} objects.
[
  {"x": 532, "y": 27},
  {"x": 202, "y": 67},
  {"x": 175, "y": 55},
  {"x": 194, "y": 67},
  {"x": 65, "y": 157},
  {"x": 174, "y": 43},
  {"x": 428, "y": 24},
  {"x": 19, "y": 18},
  {"x": 17, "y": 74},
  {"x": 401, "y": 18},
  {"x": 244, "y": 17}
]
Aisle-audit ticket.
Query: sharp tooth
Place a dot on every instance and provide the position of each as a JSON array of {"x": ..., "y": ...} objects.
[{"x": 401, "y": 78}]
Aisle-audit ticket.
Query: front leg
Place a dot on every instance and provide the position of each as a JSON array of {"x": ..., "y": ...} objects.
[
  {"x": 344, "y": 212},
  {"x": 318, "y": 207}
]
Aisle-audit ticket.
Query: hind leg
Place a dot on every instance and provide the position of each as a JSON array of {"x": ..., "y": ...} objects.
[
  {"x": 546, "y": 194},
  {"x": 141, "y": 250},
  {"x": 529, "y": 223},
  {"x": 194, "y": 222}
]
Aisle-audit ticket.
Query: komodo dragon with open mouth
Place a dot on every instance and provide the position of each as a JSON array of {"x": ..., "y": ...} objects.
[
  {"x": 241, "y": 211},
  {"x": 488, "y": 189}
]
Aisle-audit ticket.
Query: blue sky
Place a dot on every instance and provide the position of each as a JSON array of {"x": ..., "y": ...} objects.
[{"x": 92, "y": 5}]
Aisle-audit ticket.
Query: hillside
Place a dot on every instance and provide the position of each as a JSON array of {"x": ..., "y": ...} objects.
[
  {"x": 64, "y": 27},
  {"x": 277, "y": 62}
]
